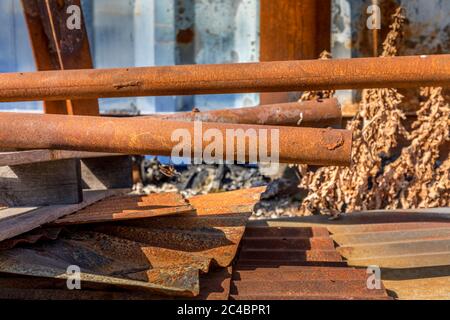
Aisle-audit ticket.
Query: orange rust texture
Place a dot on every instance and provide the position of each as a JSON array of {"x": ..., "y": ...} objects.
[
  {"x": 128, "y": 208},
  {"x": 55, "y": 47},
  {"x": 387, "y": 72},
  {"x": 295, "y": 263},
  {"x": 154, "y": 136},
  {"x": 293, "y": 30},
  {"x": 153, "y": 256},
  {"x": 316, "y": 114}
]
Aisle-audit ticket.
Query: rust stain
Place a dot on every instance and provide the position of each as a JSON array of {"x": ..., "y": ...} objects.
[
  {"x": 286, "y": 263},
  {"x": 185, "y": 36},
  {"x": 131, "y": 84},
  {"x": 332, "y": 140}
]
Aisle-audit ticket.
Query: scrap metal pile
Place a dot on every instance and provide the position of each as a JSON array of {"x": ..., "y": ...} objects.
[{"x": 154, "y": 246}]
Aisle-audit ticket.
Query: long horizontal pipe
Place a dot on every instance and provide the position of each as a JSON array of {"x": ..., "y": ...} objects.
[
  {"x": 315, "y": 114},
  {"x": 395, "y": 72},
  {"x": 154, "y": 136}
]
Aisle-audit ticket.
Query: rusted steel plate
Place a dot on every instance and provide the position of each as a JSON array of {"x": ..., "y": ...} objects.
[
  {"x": 392, "y": 236},
  {"x": 161, "y": 256},
  {"x": 129, "y": 207},
  {"x": 287, "y": 243},
  {"x": 412, "y": 247},
  {"x": 302, "y": 288},
  {"x": 304, "y": 233},
  {"x": 296, "y": 255},
  {"x": 421, "y": 289},
  {"x": 281, "y": 76},
  {"x": 299, "y": 273},
  {"x": 31, "y": 237},
  {"x": 295, "y": 263},
  {"x": 154, "y": 136},
  {"x": 389, "y": 249},
  {"x": 227, "y": 202},
  {"x": 316, "y": 114},
  {"x": 404, "y": 261},
  {"x": 213, "y": 286}
]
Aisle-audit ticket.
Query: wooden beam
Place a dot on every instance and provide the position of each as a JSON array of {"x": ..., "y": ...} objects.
[
  {"x": 16, "y": 221},
  {"x": 293, "y": 30},
  {"x": 56, "y": 47},
  {"x": 38, "y": 184},
  {"x": 15, "y": 158},
  {"x": 107, "y": 173}
]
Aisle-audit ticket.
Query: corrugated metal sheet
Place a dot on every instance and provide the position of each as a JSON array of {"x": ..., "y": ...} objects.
[
  {"x": 295, "y": 263},
  {"x": 159, "y": 256},
  {"x": 128, "y": 208},
  {"x": 411, "y": 247}
]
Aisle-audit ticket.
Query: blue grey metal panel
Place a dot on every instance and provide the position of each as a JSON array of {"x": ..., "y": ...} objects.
[{"x": 15, "y": 49}]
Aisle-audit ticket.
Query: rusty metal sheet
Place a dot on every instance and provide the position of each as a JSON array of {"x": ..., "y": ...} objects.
[
  {"x": 214, "y": 285},
  {"x": 412, "y": 247},
  {"x": 295, "y": 263},
  {"x": 128, "y": 208},
  {"x": 147, "y": 135},
  {"x": 31, "y": 237},
  {"x": 152, "y": 257},
  {"x": 280, "y": 76}
]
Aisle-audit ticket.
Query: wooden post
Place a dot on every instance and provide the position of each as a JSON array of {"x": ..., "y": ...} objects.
[
  {"x": 60, "y": 43},
  {"x": 56, "y": 47},
  {"x": 293, "y": 30}
]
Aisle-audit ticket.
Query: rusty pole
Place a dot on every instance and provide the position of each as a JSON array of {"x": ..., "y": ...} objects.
[
  {"x": 316, "y": 114},
  {"x": 392, "y": 72},
  {"x": 154, "y": 136}
]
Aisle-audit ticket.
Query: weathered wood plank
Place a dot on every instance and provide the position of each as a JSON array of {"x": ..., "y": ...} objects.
[
  {"x": 38, "y": 184},
  {"x": 15, "y": 221},
  {"x": 107, "y": 173},
  {"x": 56, "y": 47},
  {"x": 35, "y": 156}
]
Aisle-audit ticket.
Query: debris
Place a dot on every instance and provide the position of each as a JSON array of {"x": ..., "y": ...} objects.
[{"x": 381, "y": 176}]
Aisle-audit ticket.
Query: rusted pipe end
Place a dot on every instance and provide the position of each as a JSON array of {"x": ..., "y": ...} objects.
[{"x": 334, "y": 140}]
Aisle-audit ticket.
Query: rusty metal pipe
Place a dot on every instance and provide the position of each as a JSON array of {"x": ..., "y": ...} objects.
[
  {"x": 386, "y": 72},
  {"x": 315, "y": 114},
  {"x": 154, "y": 136}
]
